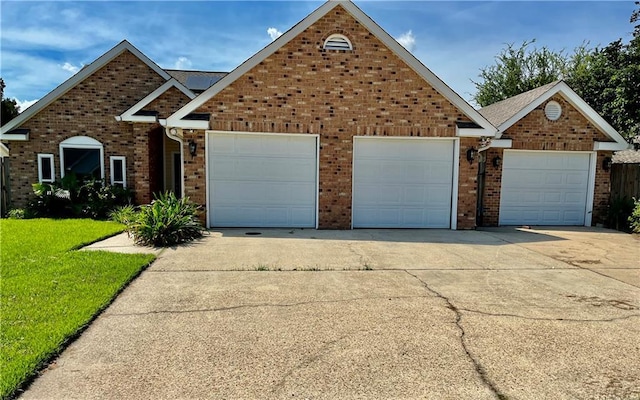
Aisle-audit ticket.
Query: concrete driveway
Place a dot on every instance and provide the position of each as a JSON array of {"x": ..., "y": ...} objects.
[{"x": 501, "y": 313}]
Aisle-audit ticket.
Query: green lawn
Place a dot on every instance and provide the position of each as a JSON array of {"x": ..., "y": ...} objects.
[{"x": 48, "y": 291}]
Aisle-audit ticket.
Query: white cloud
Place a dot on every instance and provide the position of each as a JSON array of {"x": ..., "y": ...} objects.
[
  {"x": 274, "y": 33},
  {"x": 70, "y": 67},
  {"x": 24, "y": 104},
  {"x": 407, "y": 40},
  {"x": 182, "y": 63}
]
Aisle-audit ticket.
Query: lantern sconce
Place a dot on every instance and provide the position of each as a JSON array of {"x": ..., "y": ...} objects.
[
  {"x": 606, "y": 163},
  {"x": 471, "y": 154},
  {"x": 497, "y": 161},
  {"x": 193, "y": 147}
]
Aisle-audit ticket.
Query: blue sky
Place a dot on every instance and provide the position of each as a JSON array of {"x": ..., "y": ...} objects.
[{"x": 43, "y": 43}]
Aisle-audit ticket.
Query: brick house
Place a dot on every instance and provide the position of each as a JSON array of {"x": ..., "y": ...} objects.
[{"x": 332, "y": 125}]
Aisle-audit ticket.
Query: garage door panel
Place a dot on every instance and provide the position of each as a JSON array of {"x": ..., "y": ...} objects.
[
  {"x": 257, "y": 181},
  {"x": 544, "y": 188},
  {"x": 402, "y": 183}
]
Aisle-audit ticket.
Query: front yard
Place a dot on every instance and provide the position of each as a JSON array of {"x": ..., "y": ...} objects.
[{"x": 49, "y": 292}]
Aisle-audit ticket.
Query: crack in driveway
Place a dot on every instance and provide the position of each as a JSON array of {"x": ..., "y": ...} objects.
[
  {"x": 482, "y": 373},
  {"x": 489, "y": 314},
  {"x": 261, "y": 305}
]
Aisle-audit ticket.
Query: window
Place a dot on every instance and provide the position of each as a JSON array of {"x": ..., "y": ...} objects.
[
  {"x": 82, "y": 156},
  {"x": 337, "y": 42},
  {"x": 46, "y": 171},
  {"x": 118, "y": 168}
]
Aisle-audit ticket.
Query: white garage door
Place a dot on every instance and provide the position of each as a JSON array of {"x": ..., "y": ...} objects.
[
  {"x": 262, "y": 180},
  {"x": 544, "y": 188},
  {"x": 402, "y": 183}
]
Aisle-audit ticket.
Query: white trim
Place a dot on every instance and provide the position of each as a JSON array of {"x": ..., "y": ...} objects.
[
  {"x": 18, "y": 137},
  {"x": 81, "y": 142},
  {"x": 4, "y": 150},
  {"x": 112, "y": 160},
  {"x": 576, "y": 101},
  {"x": 41, "y": 158},
  {"x": 171, "y": 83},
  {"x": 206, "y": 177},
  {"x": 454, "y": 187},
  {"x": 453, "y": 224},
  {"x": 611, "y": 146},
  {"x": 501, "y": 143},
  {"x": 591, "y": 187},
  {"x": 177, "y": 121},
  {"x": 258, "y": 134},
  {"x": 76, "y": 79},
  {"x": 474, "y": 132}
]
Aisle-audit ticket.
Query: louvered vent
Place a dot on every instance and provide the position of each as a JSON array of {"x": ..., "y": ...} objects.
[
  {"x": 337, "y": 42},
  {"x": 553, "y": 110}
]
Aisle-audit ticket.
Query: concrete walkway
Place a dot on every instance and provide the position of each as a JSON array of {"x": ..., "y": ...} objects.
[{"x": 505, "y": 313}]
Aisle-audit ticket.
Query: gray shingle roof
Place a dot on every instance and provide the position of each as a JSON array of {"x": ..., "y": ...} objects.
[
  {"x": 500, "y": 112},
  {"x": 626, "y": 157},
  {"x": 184, "y": 76}
]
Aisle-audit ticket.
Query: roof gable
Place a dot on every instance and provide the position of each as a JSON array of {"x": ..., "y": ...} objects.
[
  {"x": 506, "y": 113},
  {"x": 178, "y": 118},
  {"x": 83, "y": 74},
  {"x": 130, "y": 116}
]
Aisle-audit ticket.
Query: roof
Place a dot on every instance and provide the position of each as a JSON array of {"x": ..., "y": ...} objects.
[
  {"x": 626, "y": 157},
  {"x": 196, "y": 80},
  {"x": 76, "y": 79},
  {"x": 506, "y": 113},
  {"x": 176, "y": 119},
  {"x": 498, "y": 113},
  {"x": 136, "y": 114}
]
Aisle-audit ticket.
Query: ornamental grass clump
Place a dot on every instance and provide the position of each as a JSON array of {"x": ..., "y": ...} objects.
[{"x": 167, "y": 221}]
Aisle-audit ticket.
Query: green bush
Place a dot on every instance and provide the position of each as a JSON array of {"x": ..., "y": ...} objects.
[
  {"x": 124, "y": 215},
  {"x": 18, "y": 213},
  {"x": 166, "y": 221},
  {"x": 634, "y": 218},
  {"x": 71, "y": 198}
]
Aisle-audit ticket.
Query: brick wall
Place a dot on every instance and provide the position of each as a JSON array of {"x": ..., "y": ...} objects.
[
  {"x": 168, "y": 102},
  {"x": 571, "y": 132},
  {"x": 88, "y": 109},
  {"x": 303, "y": 89}
]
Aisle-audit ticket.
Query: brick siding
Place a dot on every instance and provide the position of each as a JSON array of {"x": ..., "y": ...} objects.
[
  {"x": 337, "y": 94},
  {"x": 571, "y": 132},
  {"x": 88, "y": 109}
]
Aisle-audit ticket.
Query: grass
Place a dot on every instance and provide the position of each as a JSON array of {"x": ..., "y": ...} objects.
[{"x": 49, "y": 292}]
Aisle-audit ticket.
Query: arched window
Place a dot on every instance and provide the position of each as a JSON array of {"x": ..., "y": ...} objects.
[
  {"x": 337, "y": 42},
  {"x": 83, "y": 156}
]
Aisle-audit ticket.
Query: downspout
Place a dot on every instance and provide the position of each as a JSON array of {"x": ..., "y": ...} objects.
[{"x": 173, "y": 133}]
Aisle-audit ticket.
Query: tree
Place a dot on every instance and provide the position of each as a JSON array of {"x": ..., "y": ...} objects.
[
  {"x": 606, "y": 78},
  {"x": 10, "y": 108},
  {"x": 517, "y": 70}
]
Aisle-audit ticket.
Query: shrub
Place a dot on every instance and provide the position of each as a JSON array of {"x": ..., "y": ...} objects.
[
  {"x": 166, "y": 221},
  {"x": 76, "y": 199},
  {"x": 124, "y": 215},
  {"x": 18, "y": 213},
  {"x": 634, "y": 218}
]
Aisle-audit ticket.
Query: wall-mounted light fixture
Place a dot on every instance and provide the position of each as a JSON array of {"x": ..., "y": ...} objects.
[
  {"x": 193, "y": 147},
  {"x": 471, "y": 154},
  {"x": 497, "y": 161},
  {"x": 606, "y": 163}
]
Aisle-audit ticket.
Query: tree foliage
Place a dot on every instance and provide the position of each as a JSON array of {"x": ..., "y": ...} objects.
[
  {"x": 10, "y": 108},
  {"x": 606, "y": 78}
]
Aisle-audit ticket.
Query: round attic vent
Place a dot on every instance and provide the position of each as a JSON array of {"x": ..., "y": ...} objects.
[{"x": 553, "y": 110}]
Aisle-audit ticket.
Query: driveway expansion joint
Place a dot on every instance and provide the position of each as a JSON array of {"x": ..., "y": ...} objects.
[{"x": 480, "y": 370}]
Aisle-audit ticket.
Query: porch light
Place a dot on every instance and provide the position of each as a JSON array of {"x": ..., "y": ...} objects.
[
  {"x": 497, "y": 161},
  {"x": 471, "y": 154},
  {"x": 606, "y": 163},
  {"x": 193, "y": 147}
]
